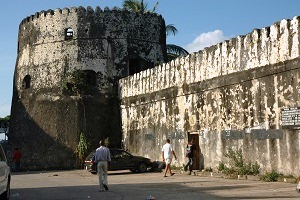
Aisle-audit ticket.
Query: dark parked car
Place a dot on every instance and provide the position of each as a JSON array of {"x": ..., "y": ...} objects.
[{"x": 120, "y": 160}]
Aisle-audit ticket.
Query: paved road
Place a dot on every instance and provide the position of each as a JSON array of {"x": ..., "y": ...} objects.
[{"x": 124, "y": 185}]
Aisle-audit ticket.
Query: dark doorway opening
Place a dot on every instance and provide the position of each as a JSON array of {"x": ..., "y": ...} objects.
[{"x": 197, "y": 154}]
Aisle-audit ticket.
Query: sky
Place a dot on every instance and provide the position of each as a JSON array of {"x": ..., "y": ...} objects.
[{"x": 200, "y": 23}]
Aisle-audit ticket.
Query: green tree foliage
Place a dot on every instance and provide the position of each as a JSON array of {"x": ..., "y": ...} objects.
[
  {"x": 76, "y": 82},
  {"x": 82, "y": 148},
  {"x": 138, "y": 6},
  {"x": 4, "y": 122},
  {"x": 271, "y": 176},
  {"x": 174, "y": 51},
  {"x": 237, "y": 164}
]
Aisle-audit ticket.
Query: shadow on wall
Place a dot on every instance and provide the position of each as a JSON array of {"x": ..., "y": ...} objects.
[
  {"x": 202, "y": 164},
  {"x": 44, "y": 146},
  {"x": 46, "y": 127}
]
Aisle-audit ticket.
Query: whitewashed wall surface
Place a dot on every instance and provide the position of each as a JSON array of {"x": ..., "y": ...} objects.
[{"x": 233, "y": 94}]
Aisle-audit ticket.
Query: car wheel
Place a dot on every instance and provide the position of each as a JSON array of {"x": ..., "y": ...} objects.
[
  {"x": 142, "y": 167},
  {"x": 6, "y": 194}
]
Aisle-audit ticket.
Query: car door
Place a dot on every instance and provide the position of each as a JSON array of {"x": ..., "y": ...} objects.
[
  {"x": 3, "y": 171},
  {"x": 120, "y": 160},
  {"x": 2, "y": 176}
]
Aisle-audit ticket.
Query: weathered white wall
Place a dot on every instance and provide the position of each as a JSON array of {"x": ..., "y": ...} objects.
[{"x": 239, "y": 85}]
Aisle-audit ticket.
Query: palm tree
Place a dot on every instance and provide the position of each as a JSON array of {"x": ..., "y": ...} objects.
[
  {"x": 138, "y": 6},
  {"x": 173, "y": 51}
]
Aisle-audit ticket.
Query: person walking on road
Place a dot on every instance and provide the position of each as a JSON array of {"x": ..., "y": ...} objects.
[
  {"x": 102, "y": 157},
  {"x": 167, "y": 155}
]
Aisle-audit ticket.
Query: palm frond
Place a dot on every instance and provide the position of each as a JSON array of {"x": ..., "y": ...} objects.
[
  {"x": 177, "y": 50},
  {"x": 170, "y": 28},
  {"x": 138, "y": 6},
  {"x": 143, "y": 7},
  {"x": 155, "y": 7},
  {"x": 171, "y": 57},
  {"x": 132, "y": 5}
]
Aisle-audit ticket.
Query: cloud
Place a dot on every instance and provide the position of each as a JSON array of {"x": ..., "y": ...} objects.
[{"x": 206, "y": 40}]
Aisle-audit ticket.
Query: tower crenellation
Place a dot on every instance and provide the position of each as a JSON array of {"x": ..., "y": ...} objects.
[
  {"x": 68, "y": 66},
  {"x": 47, "y": 29},
  {"x": 82, "y": 10}
]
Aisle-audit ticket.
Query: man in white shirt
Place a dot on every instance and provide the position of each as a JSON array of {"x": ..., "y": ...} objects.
[
  {"x": 102, "y": 157},
  {"x": 167, "y": 155}
]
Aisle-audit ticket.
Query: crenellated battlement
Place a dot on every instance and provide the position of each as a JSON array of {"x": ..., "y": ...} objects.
[
  {"x": 239, "y": 85},
  {"x": 54, "y": 48},
  {"x": 270, "y": 45},
  {"x": 232, "y": 95},
  {"x": 82, "y": 10},
  {"x": 53, "y": 35},
  {"x": 86, "y": 23}
]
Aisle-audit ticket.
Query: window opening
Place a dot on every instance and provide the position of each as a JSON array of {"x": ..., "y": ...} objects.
[
  {"x": 90, "y": 77},
  {"x": 26, "y": 82},
  {"x": 69, "y": 33}
]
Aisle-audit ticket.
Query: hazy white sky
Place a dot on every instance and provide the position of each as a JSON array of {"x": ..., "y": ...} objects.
[{"x": 200, "y": 23}]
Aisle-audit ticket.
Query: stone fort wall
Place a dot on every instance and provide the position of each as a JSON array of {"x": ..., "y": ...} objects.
[
  {"x": 44, "y": 50},
  {"x": 232, "y": 94},
  {"x": 47, "y": 115}
]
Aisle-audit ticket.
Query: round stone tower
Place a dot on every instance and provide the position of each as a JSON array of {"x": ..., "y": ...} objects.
[{"x": 66, "y": 77}]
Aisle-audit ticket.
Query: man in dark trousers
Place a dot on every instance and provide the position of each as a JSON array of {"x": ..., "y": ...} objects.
[
  {"x": 190, "y": 148},
  {"x": 102, "y": 157}
]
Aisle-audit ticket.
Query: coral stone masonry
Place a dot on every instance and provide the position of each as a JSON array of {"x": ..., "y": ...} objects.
[
  {"x": 102, "y": 73},
  {"x": 66, "y": 78},
  {"x": 241, "y": 94}
]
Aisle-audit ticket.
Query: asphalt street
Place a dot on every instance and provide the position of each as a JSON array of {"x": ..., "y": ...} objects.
[{"x": 124, "y": 185}]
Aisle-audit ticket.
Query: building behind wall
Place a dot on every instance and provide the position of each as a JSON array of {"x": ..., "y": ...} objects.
[
  {"x": 66, "y": 77},
  {"x": 239, "y": 94}
]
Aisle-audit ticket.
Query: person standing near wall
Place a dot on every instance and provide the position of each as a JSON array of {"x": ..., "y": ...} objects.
[
  {"x": 16, "y": 159},
  {"x": 190, "y": 148},
  {"x": 167, "y": 155},
  {"x": 102, "y": 157}
]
